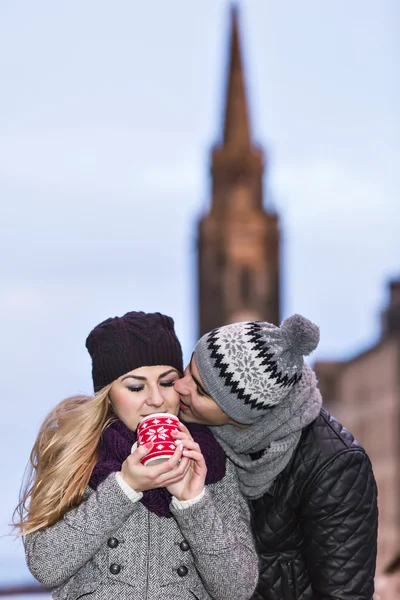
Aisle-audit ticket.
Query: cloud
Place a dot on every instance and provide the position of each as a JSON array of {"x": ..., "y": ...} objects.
[
  {"x": 340, "y": 244},
  {"x": 28, "y": 301},
  {"x": 329, "y": 190}
]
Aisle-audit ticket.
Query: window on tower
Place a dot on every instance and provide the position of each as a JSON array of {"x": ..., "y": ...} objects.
[{"x": 245, "y": 283}]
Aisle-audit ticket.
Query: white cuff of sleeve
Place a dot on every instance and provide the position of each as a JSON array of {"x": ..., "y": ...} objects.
[
  {"x": 181, "y": 504},
  {"x": 132, "y": 495}
]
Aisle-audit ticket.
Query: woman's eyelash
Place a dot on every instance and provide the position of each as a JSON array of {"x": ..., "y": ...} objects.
[{"x": 139, "y": 388}]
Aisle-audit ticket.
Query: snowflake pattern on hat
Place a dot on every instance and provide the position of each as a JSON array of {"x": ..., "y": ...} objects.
[
  {"x": 254, "y": 374},
  {"x": 254, "y": 362}
]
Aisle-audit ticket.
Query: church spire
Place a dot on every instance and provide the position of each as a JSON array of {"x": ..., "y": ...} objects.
[
  {"x": 236, "y": 121},
  {"x": 238, "y": 243}
]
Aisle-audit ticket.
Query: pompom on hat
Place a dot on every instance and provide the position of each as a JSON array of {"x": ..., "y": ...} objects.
[
  {"x": 120, "y": 344},
  {"x": 249, "y": 367}
]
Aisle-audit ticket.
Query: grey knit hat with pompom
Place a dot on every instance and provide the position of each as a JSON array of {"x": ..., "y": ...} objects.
[{"x": 250, "y": 367}]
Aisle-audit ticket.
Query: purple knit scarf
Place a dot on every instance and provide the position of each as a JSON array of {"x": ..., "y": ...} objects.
[{"x": 116, "y": 443}]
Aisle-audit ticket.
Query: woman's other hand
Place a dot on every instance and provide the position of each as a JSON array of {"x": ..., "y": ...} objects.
[{"x": 192, "y": 483}]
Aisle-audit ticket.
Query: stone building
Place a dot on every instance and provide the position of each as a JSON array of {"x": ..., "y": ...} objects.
[
  {"x": 364, "y": 393},
  {"x": 387, "y": 584},
  {"x": 238, "y": 240}
]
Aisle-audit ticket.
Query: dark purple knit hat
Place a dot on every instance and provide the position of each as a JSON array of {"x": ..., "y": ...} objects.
[{"x": 120, "y": 344}]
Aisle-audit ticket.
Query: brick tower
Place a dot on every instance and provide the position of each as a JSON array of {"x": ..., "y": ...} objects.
[{"x": 238, "y": 240}]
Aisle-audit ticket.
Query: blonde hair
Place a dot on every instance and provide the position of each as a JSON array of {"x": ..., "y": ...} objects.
[{"x": 62, "y": 460}]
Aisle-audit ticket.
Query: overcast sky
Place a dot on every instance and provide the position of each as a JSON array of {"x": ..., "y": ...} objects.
[{"x": 107, "y": 114}]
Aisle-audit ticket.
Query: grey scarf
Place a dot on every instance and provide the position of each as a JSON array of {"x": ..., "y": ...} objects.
[{"x": 277, "y": 433}]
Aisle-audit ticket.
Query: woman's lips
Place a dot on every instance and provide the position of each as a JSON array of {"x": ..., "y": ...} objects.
[{"x": 183, "y": 406}]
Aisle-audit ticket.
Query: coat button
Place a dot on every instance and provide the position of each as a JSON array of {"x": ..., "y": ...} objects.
[
  {"x": 112, "y": 542},
  {"x": 115, "y": 569},
  {"x": 184, "y": 546},
  {"x": 182, "y": 571}
]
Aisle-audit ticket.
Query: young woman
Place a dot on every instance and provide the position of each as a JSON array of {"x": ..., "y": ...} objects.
[{"x": 99, "y": 524}]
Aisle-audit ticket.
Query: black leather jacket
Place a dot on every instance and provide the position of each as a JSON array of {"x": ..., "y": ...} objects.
[{"x": 316, "y": 529}]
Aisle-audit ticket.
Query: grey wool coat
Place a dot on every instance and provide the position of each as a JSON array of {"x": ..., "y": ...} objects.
[{"x": 110, "y": 547}]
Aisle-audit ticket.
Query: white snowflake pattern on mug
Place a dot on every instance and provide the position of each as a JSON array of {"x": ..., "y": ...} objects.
[{"x": 159, "y": 432}]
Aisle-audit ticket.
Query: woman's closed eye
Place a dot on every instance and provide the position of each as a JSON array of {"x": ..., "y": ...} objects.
[
  {"x": 135, "y": 388},
  {"x": 139, "y": 388},
  {"x": 168, "y": 383}
]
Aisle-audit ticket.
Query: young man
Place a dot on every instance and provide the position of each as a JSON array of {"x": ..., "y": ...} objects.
[{"x": 309, "y": 483}]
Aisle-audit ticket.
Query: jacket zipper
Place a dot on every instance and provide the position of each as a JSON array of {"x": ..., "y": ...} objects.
[{"x": 288, "y": 583}]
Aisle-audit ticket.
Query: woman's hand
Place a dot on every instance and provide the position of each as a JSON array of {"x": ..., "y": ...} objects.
[
  {"x": 193, "y": 481},
  {"x": 141, "y": 478}
]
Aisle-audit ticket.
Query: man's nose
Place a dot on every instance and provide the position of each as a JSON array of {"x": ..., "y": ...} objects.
[{"x": 181, "y": 385}]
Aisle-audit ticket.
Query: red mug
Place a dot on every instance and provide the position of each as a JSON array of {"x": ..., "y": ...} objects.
[{"x": 157, "y": 428}]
